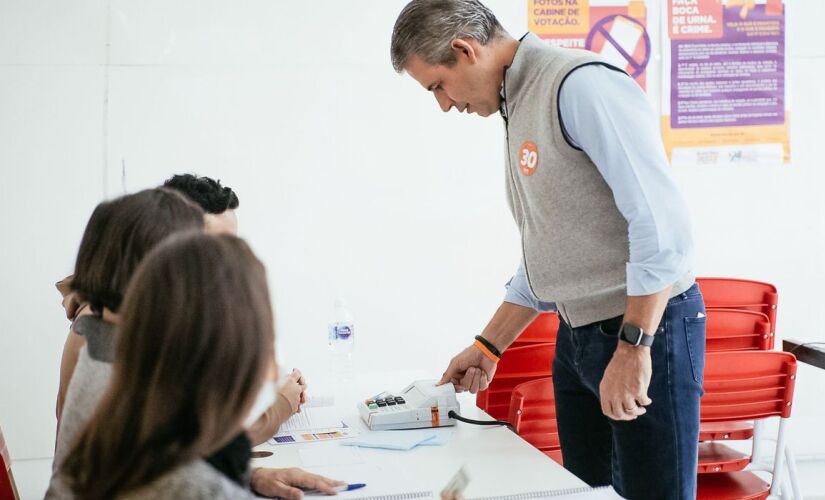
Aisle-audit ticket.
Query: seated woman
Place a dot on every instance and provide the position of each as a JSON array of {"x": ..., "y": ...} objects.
[
  {"x": 119, "y": 233},
  {"x": 117, "y": 237},
  {"x": 193, "y": 366}
]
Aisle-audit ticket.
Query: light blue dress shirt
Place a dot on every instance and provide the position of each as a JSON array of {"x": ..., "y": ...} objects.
[{"x": 607, "y": 115}]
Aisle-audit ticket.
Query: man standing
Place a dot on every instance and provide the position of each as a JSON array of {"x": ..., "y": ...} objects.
[{"x": 606, "y": 240}]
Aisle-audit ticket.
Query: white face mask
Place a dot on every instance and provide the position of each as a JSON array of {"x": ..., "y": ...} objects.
[{"x": 266, "y": 397}]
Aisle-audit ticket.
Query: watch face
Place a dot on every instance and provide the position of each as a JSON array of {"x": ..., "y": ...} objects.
[{"x": 631, "y": 333}]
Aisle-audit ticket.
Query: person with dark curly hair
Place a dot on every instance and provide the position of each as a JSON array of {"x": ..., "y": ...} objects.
[{"x": 219, "y": 202}]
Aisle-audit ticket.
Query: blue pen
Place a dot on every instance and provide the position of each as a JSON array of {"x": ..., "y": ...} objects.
[{"x": 339, "y": 489}]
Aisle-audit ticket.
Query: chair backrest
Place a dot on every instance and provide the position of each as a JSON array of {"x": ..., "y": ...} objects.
[
  {"x": 7, "y": 491},
  {"x": 543, "y": 329},
  {"x": 533, "y": 413},
  {"x": 733, "y": 293},
  {"x": 748, "y": 385},
  {"x": 737, "y": 330},
  {"x": 517, "y": 365}
]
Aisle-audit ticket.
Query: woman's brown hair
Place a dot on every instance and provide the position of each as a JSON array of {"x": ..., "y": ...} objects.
[
  {"x": 195, "y": 341},
  {"x": 119, "y": 234}
]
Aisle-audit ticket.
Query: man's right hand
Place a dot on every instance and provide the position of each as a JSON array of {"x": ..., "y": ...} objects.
[{"x": 470, "y": 370}]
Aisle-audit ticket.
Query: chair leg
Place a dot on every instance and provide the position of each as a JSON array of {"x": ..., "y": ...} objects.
[
  {"x": 776, "y": 480},
  {"x": 756, "y": 449},
  {"x": 792, "y": 473}
]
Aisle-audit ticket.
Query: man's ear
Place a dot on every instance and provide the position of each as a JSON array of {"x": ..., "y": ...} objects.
[{"x": 465, "y": 49}]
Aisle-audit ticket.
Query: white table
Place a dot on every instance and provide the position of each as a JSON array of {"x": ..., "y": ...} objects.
[{"x": 497, "y": 460}]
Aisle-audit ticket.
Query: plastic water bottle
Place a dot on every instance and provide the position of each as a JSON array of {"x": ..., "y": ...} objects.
[{"x": 341, "y": 339}]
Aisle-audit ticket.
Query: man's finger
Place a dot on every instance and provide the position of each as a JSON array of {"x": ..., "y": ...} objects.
[
  {"x": 617, "y": 411},
  {"x": 628, "y": 409},
  {"x": 472, "y": 373},
  {"x": 450, "y": 373},
  {"x": 467, "y": 379},
  {"x": 632, "y": 408},
  {"x": 644, "y": 400},
  {"x": 476, "y": 381},
  {"x": 485, "y": 382},
  {"x": 605, "y": 404},
  {"x": 445, "y": 377},
  {"x": 610, "y": 411}
]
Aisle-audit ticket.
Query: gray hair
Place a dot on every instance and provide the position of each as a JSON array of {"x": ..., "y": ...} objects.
[{"x": 426, "y": 28}]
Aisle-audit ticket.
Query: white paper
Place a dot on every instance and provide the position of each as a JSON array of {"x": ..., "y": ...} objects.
[
  {"x": 312, "y": 419},
  {"x": 325, "y": 456},
  {"x": 382, "y": 481}
]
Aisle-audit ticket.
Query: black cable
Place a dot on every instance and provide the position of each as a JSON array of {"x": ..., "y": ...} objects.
[{"x": 453, "y": 414}]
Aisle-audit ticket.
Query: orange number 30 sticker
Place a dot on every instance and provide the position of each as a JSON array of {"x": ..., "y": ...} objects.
[{"x": 528, "y": 157}]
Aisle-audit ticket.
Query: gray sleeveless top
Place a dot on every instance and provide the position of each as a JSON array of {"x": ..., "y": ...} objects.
[{"x": 89, "y": 381}]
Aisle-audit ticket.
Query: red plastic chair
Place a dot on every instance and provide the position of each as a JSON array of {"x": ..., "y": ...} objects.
[
  {"x": 543, "y": 329},
  {"x": 745, "y": 295},
  {"x": 7, "y": 491},
  {"x": 732, "y": 293},
  {"x": 730, "y": 330},
  {"x": 747, "y": 386},
  {"x": 533, "y": 414},
  {"x": 7, "y": 488},
  {"x": 517, "y": 365}
]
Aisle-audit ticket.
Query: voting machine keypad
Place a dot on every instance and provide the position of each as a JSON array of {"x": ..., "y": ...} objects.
[{"x": 386, "y": 403}]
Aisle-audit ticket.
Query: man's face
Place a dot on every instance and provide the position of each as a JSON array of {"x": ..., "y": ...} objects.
[
  {"x": 222, "y": 223},
  {"x": 469, "y": 84}
]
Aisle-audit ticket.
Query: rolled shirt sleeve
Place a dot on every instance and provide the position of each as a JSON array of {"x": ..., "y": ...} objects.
[
  {"x": 606, "y": 114},
  {"x": 519, "y": 293}
]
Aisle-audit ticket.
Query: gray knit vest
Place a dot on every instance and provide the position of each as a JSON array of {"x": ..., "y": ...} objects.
[{"x": 574, "y": 239}]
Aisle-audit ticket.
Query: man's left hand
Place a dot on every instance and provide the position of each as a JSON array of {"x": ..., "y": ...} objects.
[{"x": 623, "y": 390}]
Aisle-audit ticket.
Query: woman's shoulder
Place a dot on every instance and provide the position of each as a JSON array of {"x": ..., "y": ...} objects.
[
  {"x": 98, "y": 334},
  {"x": 191, "y": 481}
]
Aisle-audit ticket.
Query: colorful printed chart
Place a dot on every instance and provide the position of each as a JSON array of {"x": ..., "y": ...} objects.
[{"x": 724, "y": 83}]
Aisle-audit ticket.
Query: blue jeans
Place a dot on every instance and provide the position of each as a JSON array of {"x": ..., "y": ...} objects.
[{"x": 654, "y": 456}]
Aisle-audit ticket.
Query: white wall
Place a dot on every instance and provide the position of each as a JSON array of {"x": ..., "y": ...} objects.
[{"x": 350, "y": 178}]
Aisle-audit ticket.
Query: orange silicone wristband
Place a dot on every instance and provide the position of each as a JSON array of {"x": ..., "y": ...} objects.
[{"x": 492, "y": 357}]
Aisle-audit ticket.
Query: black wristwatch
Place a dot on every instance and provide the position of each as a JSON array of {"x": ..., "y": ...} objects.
[{"x": 634, "y": 335}]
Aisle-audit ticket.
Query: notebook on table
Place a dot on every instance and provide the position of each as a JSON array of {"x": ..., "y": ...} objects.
[{"x": 585, "y": 493}]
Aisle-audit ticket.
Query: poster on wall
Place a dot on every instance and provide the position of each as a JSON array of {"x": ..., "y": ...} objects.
[
  {"x": 615, "y": 29},
  {"x": 724, "y": 82}
]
